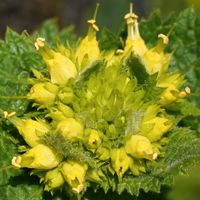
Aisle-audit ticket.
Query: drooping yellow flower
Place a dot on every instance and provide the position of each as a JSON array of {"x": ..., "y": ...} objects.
[
  {"x": 43, "y": 93},
  {"x": 70, "y": 128},
  {"x": 39, "y": 157},
  {"x": 74, "y": 174},
  {"x": 120, "y": 161},
  {"x": 139, "y": 146},
  {"x": 31, "y": 130},
  {"x": 53, "y": 179}
]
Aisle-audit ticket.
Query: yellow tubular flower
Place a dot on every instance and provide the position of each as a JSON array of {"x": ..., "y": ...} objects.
[
  {"x": 39, "y": 157},
  {"x": 43, "y": 93},
  {"x": 120, "y": 161},
  {"x": 134, "y": 42},
  {"x": 160, "y": 126},
  {"x": 88, "y": 48},
  {"x": 94, "y": 138},
  {"x": 53, "y": 179},
  {"x": 139, "y": 146},
  {"x": 61, "y": 68},
  {"x": 70, "y": 128},
  {"x": 74, "y": 174},
  {"x": 171, "y": 83},
  {"x": 31, "y": 130}
]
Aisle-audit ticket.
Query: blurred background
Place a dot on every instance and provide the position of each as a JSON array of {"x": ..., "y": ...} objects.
[{"x": 29, "y": 14}]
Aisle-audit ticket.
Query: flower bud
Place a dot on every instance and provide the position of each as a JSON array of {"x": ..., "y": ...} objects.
[
  {"x": 120, "y": 161},
  {"x": 74, "y": 174},
  {"x": 70, "y": 128},
  {"x": 53, "y": 179},
  {"x": 60, "y": 67},
  {"x": 31, "y": 130},
  {"x": 160, "y": 126},
  {"x": 139, "y": 146},
  {"x": 43, "y": 93},
  {"x": 39, "y": 157},
  {"x": 102, "y": 153},
  {"x": 94, "y": 138},
  {"x": 66, "y": 95},
  {"x": 95, "y": 175},
  {"x": 61, "y": 112}
]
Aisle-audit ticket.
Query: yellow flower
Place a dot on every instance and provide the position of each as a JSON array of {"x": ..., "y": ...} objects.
[
  {"x": 60, "y": 67},
  {"x": 103, "y": 153},
  {"x": 171, "y": 83},
  {"x": 94, "y": 138},
  {"x": 139, "y": 146},
  {"x": 43, "y": 93},
  {"x": 53, "y": 179},
  {"x": 120, "y": 161},
  {"x": 66, "y": 95},
  {"x": 88, "y": 49},
  {"x": 134, "y": 42},
  {"x": 155, "y": 61},
  {"x": 158, "y": 127},
  {"x": 60, "y": 112},
  {"x": 31, "y": 130},
  {"x": 39, "y": 157},
  {"x": 74, "y": 174},
  {"x": 70, "y": 128}
]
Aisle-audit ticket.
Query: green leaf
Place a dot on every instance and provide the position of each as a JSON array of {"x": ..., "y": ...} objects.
[
  {"x": 17, "y": 57},
  {"x": 53, "y": 36},
  {"x": 109, "y": 41}
]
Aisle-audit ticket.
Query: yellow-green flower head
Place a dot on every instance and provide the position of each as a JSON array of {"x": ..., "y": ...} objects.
[
  {"x": 66, "y": 95},
  {"x": 158, "y": 127},
  {"x": 53, "y": 179},
  {"x": 31, "y": 130},
  {"x": 120, "y": 161},
  {"x": 61, "y": 68},
  {"x": 139, "y": 146},
  {"x": 43, "y": 93},
  {"x": 94, "y": 138},
  {"x": 171, "y": 83},
  {"x": 39, "y": 157},
  {"x": 74, "y": 174},
  {"x": 70, "y": 128}
]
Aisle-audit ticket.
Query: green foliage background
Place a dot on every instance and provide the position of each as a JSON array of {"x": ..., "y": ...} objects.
[{"x": 18, "y": 56}]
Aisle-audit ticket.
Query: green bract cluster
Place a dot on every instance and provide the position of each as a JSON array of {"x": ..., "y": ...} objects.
[{"x": 102, "y": 115}]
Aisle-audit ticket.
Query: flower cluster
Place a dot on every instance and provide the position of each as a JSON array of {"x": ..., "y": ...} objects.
[{"x": 94, "y": 102}]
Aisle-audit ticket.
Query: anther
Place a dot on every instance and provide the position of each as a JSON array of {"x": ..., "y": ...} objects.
[
  {"x": 40, "y": 42},
  {"x": 16, "y": 161},
  {"x": 164, "y": 38},
  {"x": 187, "y": 90}
]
